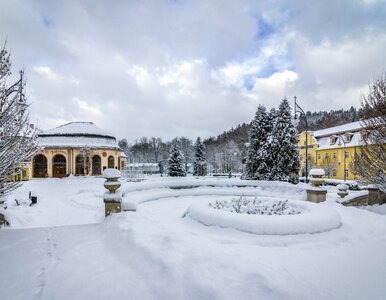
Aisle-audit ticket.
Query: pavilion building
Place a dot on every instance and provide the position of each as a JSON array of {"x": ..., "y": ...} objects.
[{"x": 77, "y": 148}]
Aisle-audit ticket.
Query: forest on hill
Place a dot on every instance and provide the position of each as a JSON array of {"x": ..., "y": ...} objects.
[{"x": 226, "y": 152}]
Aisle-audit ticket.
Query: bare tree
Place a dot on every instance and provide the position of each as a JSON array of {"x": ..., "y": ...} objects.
[
  {"x": 17, "y": 137},
  {"x": 372, "y": 159}
]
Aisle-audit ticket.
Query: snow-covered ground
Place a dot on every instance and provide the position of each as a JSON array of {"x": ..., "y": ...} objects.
[{"x": 159, "y": 252}]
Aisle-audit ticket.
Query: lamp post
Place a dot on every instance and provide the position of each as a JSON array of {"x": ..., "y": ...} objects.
[
  {"x": 298, "y": 109},
  {"x": 340, "y": 138}
]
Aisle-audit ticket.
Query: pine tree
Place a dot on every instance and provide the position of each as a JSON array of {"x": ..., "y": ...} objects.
[
  {"x": 255, "y": 167},
  {"x": 200, "y": 164},
  {"x": 283, "y": 146},
  {"x": 176, "y": 162}
]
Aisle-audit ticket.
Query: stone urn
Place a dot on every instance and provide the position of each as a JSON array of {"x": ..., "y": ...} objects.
[
  {"x": 112, "y": 198},
  {"x": 342, "y": 190},
  {"x": 112, "y": 183},
  {"x": 316, "y": 177}
]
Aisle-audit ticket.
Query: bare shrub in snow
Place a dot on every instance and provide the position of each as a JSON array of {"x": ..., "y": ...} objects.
[{"x": 243, "y": 205}]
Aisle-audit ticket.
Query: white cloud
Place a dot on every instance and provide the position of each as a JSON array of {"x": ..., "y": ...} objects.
[{"x": 191, "y": 67}]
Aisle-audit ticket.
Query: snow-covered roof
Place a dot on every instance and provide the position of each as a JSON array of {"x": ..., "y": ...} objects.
[
  {"x": 355, "y": 126},
  {"x": 325, "y": 142},
  {"x": 77, "y": 142},
  {"x": 76, "y": 135},
  {"x": 77, "y": 128}
]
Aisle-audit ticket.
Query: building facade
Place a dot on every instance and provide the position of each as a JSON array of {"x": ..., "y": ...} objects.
[
  {"x": 334, "y": 150},
  {"x": 77, "y": 148}
]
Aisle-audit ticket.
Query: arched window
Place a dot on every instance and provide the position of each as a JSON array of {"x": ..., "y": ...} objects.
[
  {"x": 96, "y": 165},
  {"x": 110, "y": 162},
  {"x": 58, "y": 166},
  {"x": 79, "y": 165},
  {"x": 40, "y": 166}
]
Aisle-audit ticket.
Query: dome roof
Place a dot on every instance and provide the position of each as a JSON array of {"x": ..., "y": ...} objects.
[
  {"x": 77, "y": 129},
  {"x": 77, "y": 135}
]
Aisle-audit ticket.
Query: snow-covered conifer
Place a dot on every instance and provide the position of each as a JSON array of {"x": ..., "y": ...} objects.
[
  {"x": 176, "y": 164},
  {"x": 255, "y": 167},
  {"x": 16, "y": 135},
  {"x": 200, "y": 164},
  {"x": 283, "y": 146}
]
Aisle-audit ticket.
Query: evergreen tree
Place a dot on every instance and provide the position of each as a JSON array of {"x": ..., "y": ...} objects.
[
  {"x": 255, "y": 166},
  {"x": 176, "y": 162},
  {"x": 200, "y": 164},
  {"x": 283, "y": 146}
]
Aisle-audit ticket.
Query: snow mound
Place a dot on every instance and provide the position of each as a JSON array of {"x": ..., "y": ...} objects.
[
  {"x": 314, "y": 218},
  {"x": 111, "y": 173},
  {"x": 317, "y": 172}
]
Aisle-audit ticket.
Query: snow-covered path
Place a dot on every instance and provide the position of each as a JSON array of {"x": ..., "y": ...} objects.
[{"x": 154, "y": 253}]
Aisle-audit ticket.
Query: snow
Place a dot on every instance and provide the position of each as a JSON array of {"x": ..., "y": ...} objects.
[
  {"x": 155, "y": 253},
  {"x": 313, "y": 219},
  {"x": 77, "y": 128},
  {"x": 111, "y": 173},
  {"x": 317, "y": 172},
  {"x": 343, "y": 187},
  {"x": 354, "y": 126},
  {"x": 77, "y": 141}
]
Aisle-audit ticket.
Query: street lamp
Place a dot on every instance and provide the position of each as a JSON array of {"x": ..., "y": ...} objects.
[
  {"x": 298, "y": 109},
  {"x": 340, "y": 138}
]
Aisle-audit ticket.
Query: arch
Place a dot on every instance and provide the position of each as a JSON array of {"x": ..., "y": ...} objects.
[
  {"x": 96, "y": 165},
  {"x": 110, "y": 162},
  {"x": 59, "y": 166},
  {"x": 39, "y": 166},
  {"x": 79, "y": 165}
]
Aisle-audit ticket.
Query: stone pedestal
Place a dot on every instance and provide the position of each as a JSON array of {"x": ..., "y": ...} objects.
[
  {"x": 112, "y": 198},
  {"x": 112, "y": 207},
  {"x": 316, "y": 195}
]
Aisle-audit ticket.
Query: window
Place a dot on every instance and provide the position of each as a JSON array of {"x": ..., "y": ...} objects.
[
  {"x": 346, "y": 173},
  {"x": 364, "y": 135},
  {"x": 333, "y": 139},
  {"x": 334, "y": 172},
  {"x": 110, "y": 162},
  {"x": 348, "y": 137},
  {"x": 334, "y": 155},
  {"x": 325, "y": 155},
  {"x": 318, "y": 155},
  {"x": 309, "y": 156},
  {"x": 346, "y": 154}
]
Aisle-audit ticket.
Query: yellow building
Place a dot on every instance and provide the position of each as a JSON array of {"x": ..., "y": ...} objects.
[
  {"x": 77, "y": 148},
  {"x": 311, "y": 146},
  {"x": 336, "y": 148}
]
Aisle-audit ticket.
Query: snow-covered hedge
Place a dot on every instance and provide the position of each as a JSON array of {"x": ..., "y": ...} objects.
[
  {"x": 314, "y": 218},
  {"x": 254, "y": 206}
]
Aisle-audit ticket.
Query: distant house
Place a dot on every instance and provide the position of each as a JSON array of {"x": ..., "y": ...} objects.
[{"x": 77, "y": 148}]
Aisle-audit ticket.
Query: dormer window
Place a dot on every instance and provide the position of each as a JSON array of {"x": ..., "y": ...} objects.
[
  {"x": 348, "y": 137},
  {"x": 364, "y": 135},
  {"x": 333, "y": 139}
]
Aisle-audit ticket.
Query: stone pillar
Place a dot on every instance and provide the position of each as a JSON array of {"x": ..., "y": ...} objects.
[
  {"x": 112, "y": 198},
  {"x": 315, "y": 193}
]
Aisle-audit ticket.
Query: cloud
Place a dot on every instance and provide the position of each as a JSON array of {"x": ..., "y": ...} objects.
[{"x": 164, "y": 68}]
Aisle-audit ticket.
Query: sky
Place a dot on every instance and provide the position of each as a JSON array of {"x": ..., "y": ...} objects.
[{"x": 190, "y": 68}]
